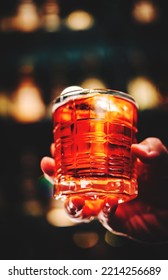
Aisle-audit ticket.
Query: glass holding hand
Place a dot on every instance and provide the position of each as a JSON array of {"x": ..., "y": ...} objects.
[
  {"x": 98, "y": 168},
  {"x": 144, "y": 218}
]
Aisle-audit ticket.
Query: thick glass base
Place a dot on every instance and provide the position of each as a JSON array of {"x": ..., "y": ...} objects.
[{"x": 121, "y": 189}]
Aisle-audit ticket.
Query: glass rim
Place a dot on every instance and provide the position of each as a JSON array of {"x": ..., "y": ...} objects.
[{"x": 83, "y": 91}]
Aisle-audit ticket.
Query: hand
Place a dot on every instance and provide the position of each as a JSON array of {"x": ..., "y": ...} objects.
[{"x": 144, "y": 218}]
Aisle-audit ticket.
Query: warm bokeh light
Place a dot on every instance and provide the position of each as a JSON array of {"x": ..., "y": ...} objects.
[
  {"x": 93, "y": 82},
  {"x": 28, "y": 105},
  {"x": 27, "y": 17},
  {"x": 144, "y": 92},
  {"x": 85, "y": 239},
  {"x": 50, "y": 19},
  {"x": 115, "y": 240},
  {"x": 145, "y": 11},
  {"x": 32, "y": 207},
  {"x": 56, "y": 215},
  {"x": 4, "y": 105},
  {"x": 79, "y": 20},
  {"x": 6, "y": 24}
]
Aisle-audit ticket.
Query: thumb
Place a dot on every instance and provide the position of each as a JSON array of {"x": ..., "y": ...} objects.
[{"x": 149, "y": 150}]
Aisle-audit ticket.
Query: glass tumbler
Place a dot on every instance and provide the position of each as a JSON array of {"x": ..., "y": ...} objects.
[{"x": 93, "y": 132}]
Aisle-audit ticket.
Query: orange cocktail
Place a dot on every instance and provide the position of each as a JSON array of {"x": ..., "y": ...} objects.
[{"x": 93, "y": 133}]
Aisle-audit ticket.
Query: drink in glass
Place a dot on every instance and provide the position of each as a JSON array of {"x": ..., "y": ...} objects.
[{"x": 93, "y": 133}]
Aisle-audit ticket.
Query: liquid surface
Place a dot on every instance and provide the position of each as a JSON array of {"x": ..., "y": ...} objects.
[{"x": 93, "y": 136}]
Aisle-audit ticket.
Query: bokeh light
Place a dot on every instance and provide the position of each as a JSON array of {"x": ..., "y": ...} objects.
[
  {"x": 145, "y": 11},
  {"x": 93, "y": 82},
  {"x": 79, "y": 20},
  {"x": 56, "y": 215},
  {"x": 144, "y": 92},
  {"x": 27, "y": 17},
  {"x": 28, "y": 105},
  {"x": 85, "y": 239}
]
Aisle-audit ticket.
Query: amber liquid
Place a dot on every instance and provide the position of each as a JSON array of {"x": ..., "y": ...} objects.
[{"x": 93, "y": 136}]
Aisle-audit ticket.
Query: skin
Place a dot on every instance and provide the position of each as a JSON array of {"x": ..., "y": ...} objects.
[{"x": 144, "y": 219}]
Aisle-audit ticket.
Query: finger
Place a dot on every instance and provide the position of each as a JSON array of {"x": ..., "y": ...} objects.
[
  {"x": 109, "y": 206},
  {"x": 149, "y": 150},
  {"x": 82, "y": 208},
  {"x": 74, "y": 206},
  {"x": 108, "y": 210},
  {"x": 47, "y": 165},
  {"x": 140, "y": 221}
]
